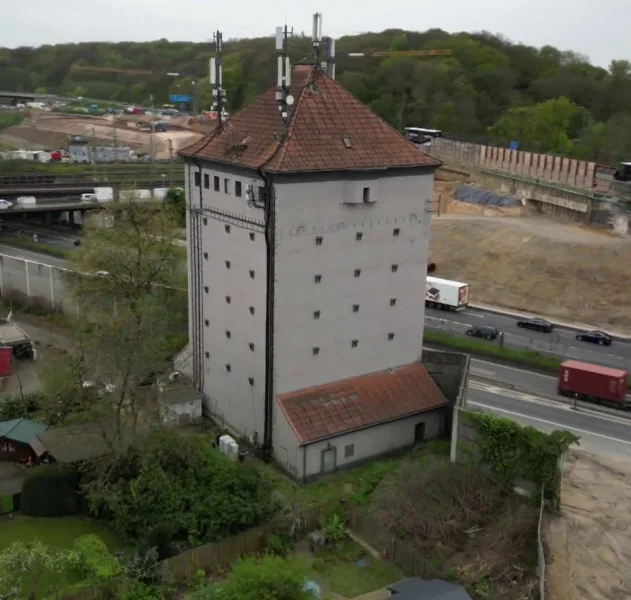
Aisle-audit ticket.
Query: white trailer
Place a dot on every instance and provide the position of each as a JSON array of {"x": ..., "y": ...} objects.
[{"x": 445, "y": 294}]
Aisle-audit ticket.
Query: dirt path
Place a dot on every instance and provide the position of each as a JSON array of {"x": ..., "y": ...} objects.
[{"x": 589, "y": 544}]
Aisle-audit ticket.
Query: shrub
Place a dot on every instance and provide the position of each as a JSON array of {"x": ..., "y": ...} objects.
[
  {"x": 93, "y": 560},
  {"x": 51, "y": 491},
  {"x": 6, "y": 503}
]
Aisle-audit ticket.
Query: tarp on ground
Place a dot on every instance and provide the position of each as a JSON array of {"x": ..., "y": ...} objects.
[{"x": 474, "y": 195}]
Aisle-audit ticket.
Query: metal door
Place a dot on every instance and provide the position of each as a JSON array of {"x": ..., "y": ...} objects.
[{"x": 328, "y": 460}]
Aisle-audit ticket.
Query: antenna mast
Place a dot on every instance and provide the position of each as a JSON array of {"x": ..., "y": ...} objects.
[
  {"x": 283, "y": 98},
  {"x": 316, "y": 38},
  {"x": 216, "y": 79}
]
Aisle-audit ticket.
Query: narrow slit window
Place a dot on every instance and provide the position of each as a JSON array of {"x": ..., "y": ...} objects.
[
  {"x": 227, "y": 228},
  {"x": 390, "y": 336},
  {"x": 316, "y": 351},
  {"x": 228, "y": 300},
  {"x": 393, "y": 301},
  {"x": 228, "y": 368},
  {"x": 355, "y": 308},
  {"x": 205, "y": 221},
  {"x": 216, "y": 183},
  {"x": 207, "y": 354},
  {"x": 252, "y": 236},
  {"x": 396, "y": 232},
  {"x": 358, "y": 236},
  {"x": 318, "y": 278},
  {"x": 395, "y": 268},
  {"x": 198, "y": 178},
  {"x": 206, "y": 289},
  {"x": 319, "y": 241},
  {"x": 226, "y": 186},
  {"x": 228, "y": 264},
  {"x": 251, "y": 310},
  {"x": 358, "y": 272},
  {"x": 206, "y": 180},
  {"x": 366, "y": 194},
  {"x": 316, "y": 315},
  {"x": 251, "y": 380},
  {"x": 354, "y": 343},
  {"x": 251, "y": 345},
  {"x": 238, "y": 190},
  {"x": 252, "y": 274},
  {"x": 228, "y": 334},
  {"x": 205, "y": 255},
  {"x": 206, "y": 322}
]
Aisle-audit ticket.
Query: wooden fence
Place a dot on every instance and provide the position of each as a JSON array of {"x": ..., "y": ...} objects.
[
  {"x": 412, "y": 562},
  {"x": 215, "y": 557}
]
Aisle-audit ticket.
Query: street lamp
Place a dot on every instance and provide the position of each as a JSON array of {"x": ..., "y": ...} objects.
[{"x": 163, "y": 179}]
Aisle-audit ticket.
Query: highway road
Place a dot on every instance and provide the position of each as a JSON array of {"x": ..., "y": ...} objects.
[
  {"x": 604, "y": 434},
  {"x": 616, "y": 355}
]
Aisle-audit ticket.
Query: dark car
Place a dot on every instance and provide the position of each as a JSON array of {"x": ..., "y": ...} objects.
[
  {"x": 595, "y": 337},
  {"x": 483, "y": 331},
  {"x": 536, "y": 324}
]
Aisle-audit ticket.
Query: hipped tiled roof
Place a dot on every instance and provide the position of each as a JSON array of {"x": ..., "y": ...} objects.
[
  {"x": 328, "y": 130},
  {"x": 359, "y": 402}
]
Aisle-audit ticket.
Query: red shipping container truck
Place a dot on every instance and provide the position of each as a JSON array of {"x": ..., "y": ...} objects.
[{"x": 585, "y": 381}]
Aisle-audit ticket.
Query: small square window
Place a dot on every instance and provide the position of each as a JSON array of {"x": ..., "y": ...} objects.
[
  {"x": 237, "y": 189},
  {"x": 251, "y": 310},
  {"x": 228, "y": 300},
  {"x": 354, "y": 343},
  {"x": 216, "y": 183},
  {"x": 318, "y": 278},
  {"x": 316, "y": 351},
  {"x": 390, "y": 336},
  {"x": 355, "y": 307},
  {"x": 206, "y": 180},
  {"x": 366, "y": 194},
  {"x": 251, "y": 345},
  {"x": 393, "y": 301},
  {"x": 252, "y": 236},
  {"x": 227, "y": 228},
  {"x": 395, "y": 268},
  {"x": 358, "y": 236},
  {"x": 206, "y": 322},
  {"x": 205, "y": 255},
  {"x": 251, "y": 380},
  {"x": 319, "y": 241},
  {"x": 358, "y": 272},
  {"x": 228, "y": 264},
  {"x": 207, "y": 354},
  {"x": 396, "y": 232},
  {"x": 206, "y": 289},
  {"x": 198, "y": 178},
  {"x": 205, "y": 221},
  {"x": 228, "y": 334},
  {"x": 349, "y": 450},
  {"x": 228, "y": 368},
  {"x": 252, "y": 274},
  {"x": 226, "y": 186},
  {"x": 316, "y": 315}
]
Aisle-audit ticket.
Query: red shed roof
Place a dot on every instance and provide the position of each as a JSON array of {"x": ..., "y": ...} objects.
[
  {"x": 359, "y": 402},
  {"x": 590, "y": 368},
  {"x": 328, "y": 130}
]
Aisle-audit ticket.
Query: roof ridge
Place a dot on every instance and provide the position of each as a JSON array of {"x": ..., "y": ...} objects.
[{"x": 294, "y": 115}]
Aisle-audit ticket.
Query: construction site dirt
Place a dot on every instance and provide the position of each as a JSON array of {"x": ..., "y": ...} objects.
[
  {"x": 515, "y": 259},
  {"x": 588, "y": 545}
]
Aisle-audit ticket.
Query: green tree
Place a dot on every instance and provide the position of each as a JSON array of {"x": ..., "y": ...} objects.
[
  {"x": 176, "y": 199},
  {"x": 26, "y": 566},
  {"x": 79, "y": 92},
  {"x": 269, "y": 578}
]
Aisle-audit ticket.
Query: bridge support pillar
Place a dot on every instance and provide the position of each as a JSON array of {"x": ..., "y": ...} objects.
[
  {"x": 71, "y": 217},
  {"x": 48, "y": 217}
]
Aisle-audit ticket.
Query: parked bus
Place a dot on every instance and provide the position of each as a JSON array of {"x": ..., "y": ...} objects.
[{"x": 421, "y": 136}]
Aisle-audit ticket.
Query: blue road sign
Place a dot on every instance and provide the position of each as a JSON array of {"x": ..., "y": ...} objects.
[{"x": 180, "y": 98}]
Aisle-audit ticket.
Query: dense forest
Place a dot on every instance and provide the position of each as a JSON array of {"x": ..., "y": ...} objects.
[{"x": 488, "y": 90}]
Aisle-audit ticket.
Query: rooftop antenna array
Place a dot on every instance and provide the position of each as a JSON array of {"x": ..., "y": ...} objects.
[
  {"x": 283, "y": 98},
  {"x": 216, "y": 79},
  {"x": 316, "y": 38},
  {"x": 323, "y": 48}
]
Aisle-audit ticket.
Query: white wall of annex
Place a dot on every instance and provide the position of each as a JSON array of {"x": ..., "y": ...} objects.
[{"x": 306, "y": 211}]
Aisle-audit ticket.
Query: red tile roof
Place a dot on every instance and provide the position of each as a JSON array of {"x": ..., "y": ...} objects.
[
  {"x": 335, "y": 408},
  {"x": 323, "y": 114}
]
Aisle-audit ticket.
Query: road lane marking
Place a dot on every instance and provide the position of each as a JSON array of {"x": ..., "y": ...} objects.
[
  {"x": 481, "y": 371},
  {"x": 466, "y": 312},
  {"x": 553, "y": 423},
  {"x": 552, "y": 402},
  {"x": 501, "y": 366}
]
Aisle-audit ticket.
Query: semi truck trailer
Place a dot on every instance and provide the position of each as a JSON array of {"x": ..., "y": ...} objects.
[
  {"x": 445, "y": 294},
  {"x": 593, "y": 383}
]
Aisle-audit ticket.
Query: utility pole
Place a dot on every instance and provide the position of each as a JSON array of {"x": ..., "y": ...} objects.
[
  {"x": 216, "y": 80},
  {"x": 170, "y": 162}
]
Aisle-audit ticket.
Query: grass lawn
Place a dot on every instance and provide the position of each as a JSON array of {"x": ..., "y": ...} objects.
[
  {"x": 54, "y": 532},
  {"x": 356, "y": 485},
  {"x": 349, "y": 570}
]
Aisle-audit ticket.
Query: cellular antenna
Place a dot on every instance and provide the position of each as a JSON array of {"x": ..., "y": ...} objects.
[
  {"x": 216, "y": 80},
  {"x": 283, "y": 82},
  {"x": 316, "y": 38},
  {"x": 328, "y": 49}
]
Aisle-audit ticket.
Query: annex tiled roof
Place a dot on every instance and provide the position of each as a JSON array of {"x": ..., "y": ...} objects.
[
  {"x": 335, "y": 408},
  {"x": 328, "y": 130}
]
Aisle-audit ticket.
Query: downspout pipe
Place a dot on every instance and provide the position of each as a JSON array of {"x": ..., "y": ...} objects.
[
  {"x": 196, "y": 267},
  {"x": 270, "y": 244}
]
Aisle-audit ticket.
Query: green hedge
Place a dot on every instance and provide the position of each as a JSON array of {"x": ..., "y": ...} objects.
[
  {"x": 51, "y": 491},
  {"x": 6, "y": 504},
  {"x": 477, "y": 347}
]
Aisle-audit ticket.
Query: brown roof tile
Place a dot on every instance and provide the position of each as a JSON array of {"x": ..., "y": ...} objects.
[
  {"x": 359, "y": 402},
  {"x": 323, "y": 114}
]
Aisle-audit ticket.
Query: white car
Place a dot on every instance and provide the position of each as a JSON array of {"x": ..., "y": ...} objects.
[
  {"x": 4, "y": 204},
  {"x": 88, "y": 197}
]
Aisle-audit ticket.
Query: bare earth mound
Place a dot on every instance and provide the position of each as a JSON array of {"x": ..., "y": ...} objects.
[
  {"x": 537, "y": 265},
  {"x": 589, "y": 544}
]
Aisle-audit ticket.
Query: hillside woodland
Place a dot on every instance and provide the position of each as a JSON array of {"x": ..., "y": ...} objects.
[{"x": 490, "y": 90}]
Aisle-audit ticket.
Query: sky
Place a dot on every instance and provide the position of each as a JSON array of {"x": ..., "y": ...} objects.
[{"x": 596, "y": 29}]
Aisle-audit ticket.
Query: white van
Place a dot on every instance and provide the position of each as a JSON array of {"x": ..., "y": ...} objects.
[{"x": 88, "y": 198}]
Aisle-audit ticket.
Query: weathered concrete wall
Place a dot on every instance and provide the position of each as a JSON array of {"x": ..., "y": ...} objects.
[{"x": 555, "y": 169}]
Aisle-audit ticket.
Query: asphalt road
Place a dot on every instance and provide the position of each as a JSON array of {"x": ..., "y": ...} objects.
[
  {"x": 616, "y": 355},
  {"x": 604, "y": 434},
  {"x": 33, "y": 256}
]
